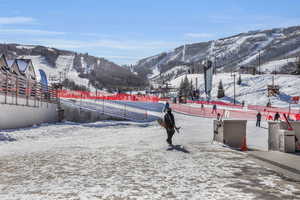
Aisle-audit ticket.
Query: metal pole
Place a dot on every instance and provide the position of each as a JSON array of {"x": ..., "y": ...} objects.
[
  {"x": 259, "y": 62},
  {"x": 124, "y": 110},
  {"x": 6, "y": 88},
  {"x": 233, "y": 88},
  {"x": 103, "y": 104},
  {"x": 17, "y": 90}
]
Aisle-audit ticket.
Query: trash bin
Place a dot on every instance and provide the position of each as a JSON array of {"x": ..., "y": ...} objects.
[{"x": 287, "y": 141}]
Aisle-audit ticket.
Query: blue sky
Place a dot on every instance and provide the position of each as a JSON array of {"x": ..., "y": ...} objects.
[{"x": 125, "y": 31}]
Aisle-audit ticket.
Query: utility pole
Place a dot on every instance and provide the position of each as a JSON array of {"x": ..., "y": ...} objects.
[
  {"x": 233, "y": 87},
  {"x": 258, "y": 61}
]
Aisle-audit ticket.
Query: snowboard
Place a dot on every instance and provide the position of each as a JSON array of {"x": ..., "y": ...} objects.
[{"x": 162, "y": 123}]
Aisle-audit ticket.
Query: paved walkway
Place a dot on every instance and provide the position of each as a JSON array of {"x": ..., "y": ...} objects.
[{"x": 287, "y": 161}]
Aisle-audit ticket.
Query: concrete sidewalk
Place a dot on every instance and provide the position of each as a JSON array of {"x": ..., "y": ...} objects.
[{"x": 286, "y": 161}]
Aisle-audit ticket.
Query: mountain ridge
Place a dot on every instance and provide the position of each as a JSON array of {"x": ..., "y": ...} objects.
[
  {"x": 247, "y": 50},
  {"x": 98, "y": 71}
]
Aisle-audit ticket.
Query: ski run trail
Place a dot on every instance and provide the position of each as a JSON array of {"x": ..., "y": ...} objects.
[{"x": 127, "y": 160}]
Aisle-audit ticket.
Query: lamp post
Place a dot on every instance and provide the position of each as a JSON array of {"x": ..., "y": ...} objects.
[
  {"x": 259, "y": 62},
  {"x": 233, "y": 86}
]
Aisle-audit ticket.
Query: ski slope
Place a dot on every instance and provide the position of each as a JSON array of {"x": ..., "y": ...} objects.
[
  {"x": 253, "y": 89},
  {"x": 64, "y": 63}
]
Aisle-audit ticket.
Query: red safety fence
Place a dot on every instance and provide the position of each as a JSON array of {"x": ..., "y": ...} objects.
[
  {"x": 262, "y": 109},
  {"x": 272, "y": 109},
  {"x": 220, "y": 103},
  {"x": 98, "y": 95},
  {"x": 208, "y": 112}
]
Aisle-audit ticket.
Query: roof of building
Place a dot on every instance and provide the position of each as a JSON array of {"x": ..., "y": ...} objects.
[{"x": 23, "y": 64}]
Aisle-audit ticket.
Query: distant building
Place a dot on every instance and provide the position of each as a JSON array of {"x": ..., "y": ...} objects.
[
  {"x": 3, "y": 63},
  {"x": 26, "y": 68},
  {"x": 19, "y": 67},
  {"x": 13, "y": 67}
]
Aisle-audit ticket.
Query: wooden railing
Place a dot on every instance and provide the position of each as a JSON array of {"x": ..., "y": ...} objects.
[{"x": 21, "y": 91}]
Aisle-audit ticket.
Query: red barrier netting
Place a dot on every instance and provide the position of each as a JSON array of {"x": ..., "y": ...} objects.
[
  {"x": 236, "y": 114},
  {"x": 105, "y": 96}
]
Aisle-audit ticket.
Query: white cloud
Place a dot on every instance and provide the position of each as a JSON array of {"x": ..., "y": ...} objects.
[
  {"x": 113, "y": 44},
  {"x": 30, "y": 32},
  {"x": 16, "y": 20},
  {"x": 198, "y": 35}
]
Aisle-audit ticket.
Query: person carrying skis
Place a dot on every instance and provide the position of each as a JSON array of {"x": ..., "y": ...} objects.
[
  {"x": 277, "y": 116},
  {"x": 258, "y": 119},
  {"x": 167, "y": 106},
  {"x": 170, "y": 125}
]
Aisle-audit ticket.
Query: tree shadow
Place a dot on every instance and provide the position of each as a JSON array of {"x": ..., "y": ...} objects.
[{"x": 178, "y": 148}]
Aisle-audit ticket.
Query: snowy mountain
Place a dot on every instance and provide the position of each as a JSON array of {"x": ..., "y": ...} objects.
[
  {"x": 83, "y": 69},
  {"x": 269, "y": 48}
]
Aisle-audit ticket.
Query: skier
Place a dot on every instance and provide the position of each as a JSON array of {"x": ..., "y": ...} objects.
[
  {"x": 170, "y": 125},
  {"x": 166, "y": 107},
  {"x": 214, "y": 109},
  {"x": 202, "y": 107},
  {"x": 276, "y": 116},
  {"x": 258, "y": 119}
]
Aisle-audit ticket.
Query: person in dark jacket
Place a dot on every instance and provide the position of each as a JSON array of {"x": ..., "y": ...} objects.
[
  {"x": 277, "y": 116},
  {"x": 170, "y": 125},
  {"x": 258, "y": 119},
  {"x": 214, "y": 109}
]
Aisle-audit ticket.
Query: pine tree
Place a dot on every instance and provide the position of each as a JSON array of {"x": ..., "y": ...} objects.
[
  {"x": 191, "y": 88},
  {"x": 239, "y": 81},
  {"x": 254, "y": 71},
  {"x": 184, "y": 88},
  {"x": 221, "y": 92}
]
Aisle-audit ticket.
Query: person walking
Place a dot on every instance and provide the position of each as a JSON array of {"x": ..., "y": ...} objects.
[
  {"x": 258, "y": 119},
  {"x": 218, "y": 116},
  {"x": 214, "y": 109},
  {"x": 170, "y": 125},
  {"x": 276, "y": 116},
  {"x": 202, "y": 107}
]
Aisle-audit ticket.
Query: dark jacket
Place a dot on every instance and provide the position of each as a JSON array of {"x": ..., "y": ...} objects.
[
  {"x": 169, "y": 120},
  {"x": 276, "y": 117},
  {"x": 258, "y": 116}
]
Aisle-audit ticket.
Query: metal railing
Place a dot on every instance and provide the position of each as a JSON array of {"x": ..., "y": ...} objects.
[{"x": 18, "y": 90}]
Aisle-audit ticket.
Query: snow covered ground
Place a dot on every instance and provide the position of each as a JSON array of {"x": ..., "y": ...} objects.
[
  {"x": 126, "y": 160},
  {"x": 253, "y": 89},
  {"x": 117, "y": 109}
]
